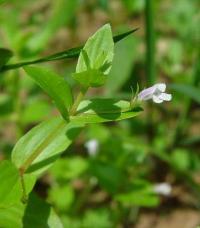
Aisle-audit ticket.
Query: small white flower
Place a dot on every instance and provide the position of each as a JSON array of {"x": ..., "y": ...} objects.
[
  {"x": 163, "y": 189},
  {"x": 156, "y": 93},
  {"x": 92, "y": 147}
]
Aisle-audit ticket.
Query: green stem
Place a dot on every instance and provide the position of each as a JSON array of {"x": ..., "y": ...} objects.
[
  {"x": 77, "y": 101},
  {"x": 150, "y": 59},
  {"x": 24, "y": 198},
  {"x": 150, "y": 42}
]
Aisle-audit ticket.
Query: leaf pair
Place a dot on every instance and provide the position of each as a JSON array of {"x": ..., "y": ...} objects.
[{"x": 93, "y": 65}]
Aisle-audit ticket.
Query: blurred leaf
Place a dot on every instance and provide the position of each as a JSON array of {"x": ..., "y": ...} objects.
[
  {"x": 42, "y": 145},
  {"x": 110, "y": 177},
  {"x": 69, "y": 168},
  {"x": 142, "y": 194},
  {"x": 62, "y": 13},
  {"x": 97, "y": 218},
  {"x": 62, "y": 197},
  {"x": 180, "y": 159},
  {"x": 35, "y": 111},
  {"x": 138, "y": 198},
  {"x": 104, "y": 110},
  {"x": 121, "y": 70},
  {"x": 187, "y": 90},
  {"x": 56, "y": 87},
  {"x": 6, "y": 105},
  {"x": 39, "y": 214},
  {"x": 5, "y": 55}
]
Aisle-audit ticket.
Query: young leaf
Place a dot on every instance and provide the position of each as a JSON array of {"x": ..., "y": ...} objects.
[
  {"x": 42, "y": 145},
  {"x": 99, "y": 49},
  {"x": 56, "y": 87},
  {"x": 95, "y": 78},
  {"x": 97, "y": 56},
  {"x": 104, "y": 110}
]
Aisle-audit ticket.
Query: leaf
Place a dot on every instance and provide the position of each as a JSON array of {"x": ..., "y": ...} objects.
[
  {"x": 56, "y": 87},
  {"x": 71, "y": 53},
  {"x": 15, "y": 194},
  {"x": 39, "y": 214},
  {"x": 138, "y": 198},
  {"x": 5, "y": 55},
  {"x": 35, "y": 111},
  {"x": 9, "y": 176},
  {"x": 104, "y": 110},
  {"x": 36, "y": 214},
  {"x": 99, "y": 49},
  {"x": 109, "y": 176},
  {"x": 93, "y": 78},
  {"x": 42, "y": 145},
  {"x": 187, "y": 90},
  {"x": 12, "y": 216},
  {"x": 121, "y": 69}
]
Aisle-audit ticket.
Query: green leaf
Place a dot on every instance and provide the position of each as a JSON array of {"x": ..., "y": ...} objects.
[
  {"x": 16, "y": 193},
  {"x": 69, "y": 168},
  {"x": 42, "y": 145},
  {"x": 56, "y": 87},
  {"x": 39, "y": 214},
  {"x": 109, "y": 176},
  {"x": 104, "y": 110},
  {"x": 12, "y": 216},
  {"x": 99, "y": 49},
  {"x": 9, "y": 176},
  {"x": 57, "y": 196},
  {"x": 96, "y": 58},
  {"x": 36, "y": 213},
  {"x": 5, "y": 55},
  {"x": 95, "y": 78},
  {"x": 123, "y": 63},
  {"x": 188, "y": 91},
  {"x": 11, "y": 189},
  {"x": 138, "y": 198}
]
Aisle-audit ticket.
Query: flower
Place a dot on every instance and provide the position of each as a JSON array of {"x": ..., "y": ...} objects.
[
  {"x": 155, "y": 92},
  {"x": 163, "y": 189},
  {"x": 92, "y": 147}
]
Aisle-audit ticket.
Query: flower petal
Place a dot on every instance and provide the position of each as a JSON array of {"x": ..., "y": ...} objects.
[
  {"x": 147, "y": 94},
  {"x": 156, "y": 99},
  {"x": 161, "y": 87},
  {"x": 165, "y": 96}
]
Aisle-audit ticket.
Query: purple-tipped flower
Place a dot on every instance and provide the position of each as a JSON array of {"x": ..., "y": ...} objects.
[{"x": 156, "y": 93}]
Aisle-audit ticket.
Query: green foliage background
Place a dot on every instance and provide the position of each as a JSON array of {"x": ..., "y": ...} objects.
[{"x": 114, "y": 187}]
